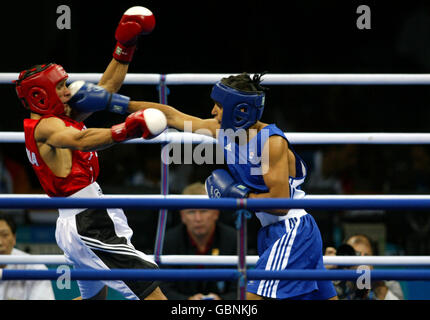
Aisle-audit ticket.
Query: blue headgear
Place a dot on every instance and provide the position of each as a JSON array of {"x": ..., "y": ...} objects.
[{"x": 232, "y": 101}]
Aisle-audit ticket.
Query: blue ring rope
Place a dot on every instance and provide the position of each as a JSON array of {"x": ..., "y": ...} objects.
[
  {"x": 215, "y": 274},
  {"x": 225, "y": 203}
]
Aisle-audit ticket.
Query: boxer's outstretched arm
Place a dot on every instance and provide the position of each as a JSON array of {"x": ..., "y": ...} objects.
[
  {"x": 114, "y": 76},
  {"x": 54, "y": 133},
  {"x": 135, "y": 22},
  {"x": 177, "y": 119}
]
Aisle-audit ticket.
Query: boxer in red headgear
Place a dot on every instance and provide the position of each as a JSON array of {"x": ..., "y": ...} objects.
[
  {"x": 37, "y": 88},
  {"x": 63, "y": 153}
]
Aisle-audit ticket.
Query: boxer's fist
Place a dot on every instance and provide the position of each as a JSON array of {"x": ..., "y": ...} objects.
[
  {"x": 146, "y": 123},
  {"x": 220, "y": 184},
  {"x": 135, "y": 22},
  {"x": 88, "y": 97}
]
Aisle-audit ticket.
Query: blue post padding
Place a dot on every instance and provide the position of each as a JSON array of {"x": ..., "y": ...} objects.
[
  {"x": 162, "y": 215},
  {"x": 225, "y": 203},
  {"x": 215, "y": 274}
]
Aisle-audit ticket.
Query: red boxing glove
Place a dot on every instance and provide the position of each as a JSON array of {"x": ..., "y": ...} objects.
[
  {"x": 146, "y": 123},
  {"x": 134, "y": 22}
]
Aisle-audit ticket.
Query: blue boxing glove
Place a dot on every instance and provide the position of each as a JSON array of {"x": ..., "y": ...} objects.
[
  {"x": 88, "y": 97},
  {"x": 220, "y": 184}
]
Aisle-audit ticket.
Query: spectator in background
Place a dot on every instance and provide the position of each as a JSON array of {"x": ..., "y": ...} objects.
[
  {"x": 200, "y": 233},
  {"x": 346, "y": 289},
  {"x": 383, "y": 290},
  {"x": 20, "y": 289},
  {"x": 362, "y": 245}
]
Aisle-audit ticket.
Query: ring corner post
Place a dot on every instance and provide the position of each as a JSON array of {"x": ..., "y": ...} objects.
[{"x": 163, "y": 92}]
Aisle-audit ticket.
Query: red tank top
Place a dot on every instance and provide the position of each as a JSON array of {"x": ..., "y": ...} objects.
[{"x": 85, "y": 165}]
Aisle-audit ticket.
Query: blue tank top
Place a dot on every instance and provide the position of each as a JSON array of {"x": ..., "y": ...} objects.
[{"x": 244, "y": 160}]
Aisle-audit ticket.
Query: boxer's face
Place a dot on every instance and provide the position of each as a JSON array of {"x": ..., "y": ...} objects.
[
  {"x": 217, "y": 112},
  {"x": 64, "y": 94}
]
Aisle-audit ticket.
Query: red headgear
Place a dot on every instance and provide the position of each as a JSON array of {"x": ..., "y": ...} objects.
[{"x": 37, "y": 88}]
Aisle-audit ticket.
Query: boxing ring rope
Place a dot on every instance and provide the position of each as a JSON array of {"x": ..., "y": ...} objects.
[
  {"x": 185, "y": 197},
  {"x": 315, "y": 203},
  {"x": 171, "y": 260},
  {"x": 269, "y": 79},
  {"x": 393, "y": 202},
  {"x": 313, "y": 138},
  {"x": 213, "y": 274}
]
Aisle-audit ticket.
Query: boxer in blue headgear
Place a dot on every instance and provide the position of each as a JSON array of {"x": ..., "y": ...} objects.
[
  {"x": 241, "y": 109},
  {"x": 265, "y": 166}
]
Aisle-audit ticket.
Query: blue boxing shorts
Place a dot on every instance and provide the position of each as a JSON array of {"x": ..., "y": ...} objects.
[{"x": 292, "y": 243}]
